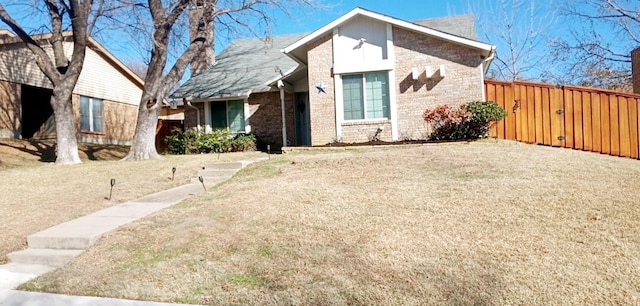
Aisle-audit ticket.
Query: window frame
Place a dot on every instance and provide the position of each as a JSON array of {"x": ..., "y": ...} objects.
[
  {"x": 92, "y": 115},
  {"x": 364, "y": 104},
  {"x": 227, "y": 115}
]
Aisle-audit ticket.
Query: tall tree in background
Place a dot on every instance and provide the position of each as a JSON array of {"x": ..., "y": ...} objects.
[
  {"x": 597, "y": 50},
  {"x": 518, "y": 28},
  {"x": 161, "y": 21},
  {"x": 62, "y": 70}
]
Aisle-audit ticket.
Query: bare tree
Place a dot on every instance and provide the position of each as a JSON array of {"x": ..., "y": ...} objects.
[
  {"x": 63, "y": 73},
  {"x": 162, "y": 20},
  {"x": 596, "y": 51},
  {"x": 519, "y": 28}
]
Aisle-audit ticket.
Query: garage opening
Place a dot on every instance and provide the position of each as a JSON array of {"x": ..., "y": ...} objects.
[{"x": 37, "y": 114}]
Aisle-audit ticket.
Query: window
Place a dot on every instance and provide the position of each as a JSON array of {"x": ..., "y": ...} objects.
[
  {"x": 90, "y": 114},
  {"x": 366, "y": 96},
  {"x": 228, "y": 114}
]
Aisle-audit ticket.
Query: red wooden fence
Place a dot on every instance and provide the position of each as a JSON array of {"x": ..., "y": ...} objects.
[{"x": 581, "y": 118}]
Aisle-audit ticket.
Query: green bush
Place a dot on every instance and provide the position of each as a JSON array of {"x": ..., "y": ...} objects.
[
  {"x": 485, "y": 111},
  {"x": 193, "y": 141},
  {"x": 469, "y": 121}
]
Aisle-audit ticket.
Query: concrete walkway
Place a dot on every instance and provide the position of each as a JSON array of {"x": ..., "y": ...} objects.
[{"x": 56, "y": 246}]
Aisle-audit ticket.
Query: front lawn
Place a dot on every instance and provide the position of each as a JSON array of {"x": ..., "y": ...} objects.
[{"x": 487, "y": 222}]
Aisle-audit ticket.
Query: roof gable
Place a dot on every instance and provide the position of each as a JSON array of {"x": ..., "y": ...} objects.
[{"x": 485, "y": 49}]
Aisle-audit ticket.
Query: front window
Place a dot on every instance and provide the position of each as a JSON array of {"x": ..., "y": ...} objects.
[
  {"x": 228, "y": 114},
  {"x": 90, "y": 114},
  {"x": 366, "y": 96}
]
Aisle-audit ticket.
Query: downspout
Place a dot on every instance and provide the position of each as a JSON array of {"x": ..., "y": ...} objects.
[
  {"x": 284, "y": 122},
  {"x": 188, "y": 103},
  {"x": 489, "y": 59}
]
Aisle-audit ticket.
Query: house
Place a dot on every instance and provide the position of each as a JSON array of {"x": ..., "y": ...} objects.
[
  {"x": 363, "y": 76},
  {"x": 105, "y": 99}
]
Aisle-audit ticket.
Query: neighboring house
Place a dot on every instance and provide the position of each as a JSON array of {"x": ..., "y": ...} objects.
[
  {"x": 105, "y": 99},
  {"x": 363, "y": 76}
]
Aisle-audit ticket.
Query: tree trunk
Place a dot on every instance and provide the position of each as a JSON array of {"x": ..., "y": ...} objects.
[
  {"x": 144, "y": 141},
  {"x": 66, "y": 130}
]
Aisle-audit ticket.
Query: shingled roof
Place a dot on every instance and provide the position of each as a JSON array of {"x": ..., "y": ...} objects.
[
  {"x": 461, "y": 25},
  {"x": 245, "y": 66}
]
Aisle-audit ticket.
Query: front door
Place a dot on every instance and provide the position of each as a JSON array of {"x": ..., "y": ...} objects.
[{"x": 301, "y": 108}]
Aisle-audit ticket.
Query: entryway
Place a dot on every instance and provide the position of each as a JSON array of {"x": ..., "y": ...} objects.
[{"x": 301, "y": 117}]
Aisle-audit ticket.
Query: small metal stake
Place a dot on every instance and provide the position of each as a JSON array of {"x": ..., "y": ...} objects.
[
  {"x": 113, "y": 182},
  {"x": 269, "y": 151},
  {"x": 173, "y": 173},
  {"x": 201, "y": 179}
]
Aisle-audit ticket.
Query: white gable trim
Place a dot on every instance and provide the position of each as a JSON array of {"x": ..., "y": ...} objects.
[{"x": 486, "y": 48}]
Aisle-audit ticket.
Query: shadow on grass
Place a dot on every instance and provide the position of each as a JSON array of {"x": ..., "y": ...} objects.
[{"x": 46, "y": 151}]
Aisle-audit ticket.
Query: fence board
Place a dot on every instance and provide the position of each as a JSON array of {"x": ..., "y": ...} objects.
[
  {"x": 633, "y": 126},
  {"x": 577, "y": 120},
  {"x": 531, "y": 120},
  {"x": 568, "y": 118},
  {"x": 605, "y": 123},
  {"x": 615, "y": 130},
  {"x": 510, "y": 128},
  {"x": 521, "y": 113},
  {"x": 490, "y": 91},
  {"x": 546, "y": 120},
  {"x": 500, "y": 96},
  {"x": 625, "y": 148},
  {"x": 537, "y": 96},
  {"x": 557, "y": 119},
  {"x": 587, "y": 132},
  {"x": 595, "y": 123}
]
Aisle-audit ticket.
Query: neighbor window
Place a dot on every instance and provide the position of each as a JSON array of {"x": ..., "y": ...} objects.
[
  {"x": 90, "y": 114},
  {"x": 366, "y": 96},
  {"x": 228, "y": 114}
]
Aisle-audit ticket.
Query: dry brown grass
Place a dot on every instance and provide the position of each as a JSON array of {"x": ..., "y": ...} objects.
[
  {"x": 489, "y": 222},
  {"x": 38, "y": 195}
]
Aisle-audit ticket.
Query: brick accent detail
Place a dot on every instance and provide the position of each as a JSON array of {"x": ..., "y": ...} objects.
[
  {"x": 462, "y": 82},
  {"x": 635, "y": 69},
  {"x": 10, "y": 120},
  {"x": 322, "y": 107}
]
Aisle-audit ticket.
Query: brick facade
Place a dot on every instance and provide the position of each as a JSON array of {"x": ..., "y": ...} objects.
[
  {"x": 265, "y": 116},
  {"x": 462, "y": 82},
  {"x": 322, "y": 106}
]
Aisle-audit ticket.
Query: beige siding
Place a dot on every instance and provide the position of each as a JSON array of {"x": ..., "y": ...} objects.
[
  {"x": 10, "y": 124},
  {"x": 100, "y": 79},
  {"x": 17, "y": 66}
]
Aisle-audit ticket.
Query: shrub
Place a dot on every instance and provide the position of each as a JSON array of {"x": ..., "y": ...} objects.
[
  {"x": 193, "y": 141},
  {"x": 470, "y": 121}
]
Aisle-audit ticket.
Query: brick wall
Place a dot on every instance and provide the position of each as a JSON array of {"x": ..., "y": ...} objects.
[
  {"x": 322, "y": 108},
  {"x": 359, "y": 132},
  {"x": 10, "y": 124},
  {"x": 265, "y": 116},
  {"x": 462, "y": 82},
  {"x": 191, "y": 118},
  {"x": 635, "y": 69}
]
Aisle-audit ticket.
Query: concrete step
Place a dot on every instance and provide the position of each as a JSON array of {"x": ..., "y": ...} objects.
[
  {"x": 76, "y": 234},
  {"x": 48, "y": 257},
  {"x": 13, "y": 274},
  {"x": 224, "y": 166},
  {"x": 217, "y": 173}
]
